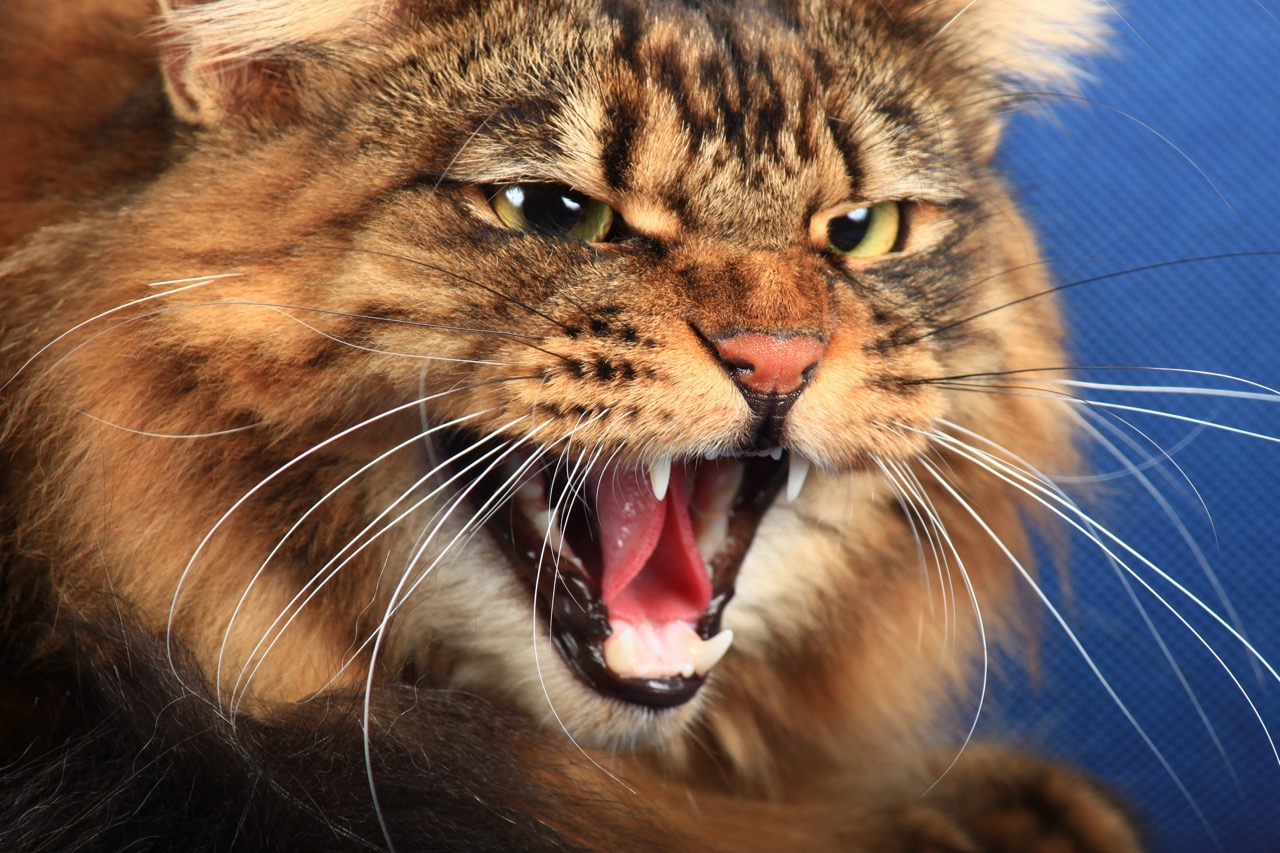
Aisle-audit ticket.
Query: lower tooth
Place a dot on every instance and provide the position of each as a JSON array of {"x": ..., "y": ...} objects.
[
  {"x": 541, "y": 522},
  {"x": 711, "y": 534},
  {"x": 707, "y": 653},
  {"x": 620, "y": 650}
]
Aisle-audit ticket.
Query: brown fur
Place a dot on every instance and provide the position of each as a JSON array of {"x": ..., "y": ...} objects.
[{"x": 312, "y": 195}]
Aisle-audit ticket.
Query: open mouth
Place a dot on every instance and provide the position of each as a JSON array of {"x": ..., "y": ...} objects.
[{"x": 630, "y": 567}]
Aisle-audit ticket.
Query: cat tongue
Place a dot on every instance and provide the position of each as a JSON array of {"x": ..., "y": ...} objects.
[{"x": 652, "y": 572}]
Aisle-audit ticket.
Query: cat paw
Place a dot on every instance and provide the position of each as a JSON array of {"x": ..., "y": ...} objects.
[{"x": 1007, "y": 803}]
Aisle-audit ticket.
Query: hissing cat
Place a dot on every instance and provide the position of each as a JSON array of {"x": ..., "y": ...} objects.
[{"x": 487, "y": 425}]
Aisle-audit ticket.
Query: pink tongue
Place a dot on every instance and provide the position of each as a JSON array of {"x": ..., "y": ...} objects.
[{"x": 652, "y": 569}]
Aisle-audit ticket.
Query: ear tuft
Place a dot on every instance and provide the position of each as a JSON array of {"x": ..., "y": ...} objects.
[
  {"x": 1031, "y": 42},
  {"x": 229, "y": 57}
]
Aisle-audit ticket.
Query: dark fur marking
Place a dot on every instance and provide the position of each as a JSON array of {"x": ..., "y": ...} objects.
[
  {"x": 617, "y": 140},
  {"x": 145, "y": 757}
]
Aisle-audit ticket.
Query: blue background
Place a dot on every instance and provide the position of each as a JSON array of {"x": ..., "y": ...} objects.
[{"x": 1172, "y": 156}]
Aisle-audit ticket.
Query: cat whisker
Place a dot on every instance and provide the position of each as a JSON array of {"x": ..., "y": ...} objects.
[
  {"x": 419, "y": 546},
  {"x": 524, "y": 340},
  {"x": 1136, "y": 472},
  {"x": 188, "y": 284},
  {"x": 915, "y": 519},
  {"x": 575, "y": 479},
  {"x": 1102, "y": 404},
  {"x": 935, "y": 308},
  {"x": 379, "y": 634},
  {"x": 149, "y": 434},
  {"x": 908, "y": 488},
  {"x": 1263, "y": 393},
  {"x": 908, "y": 479},
  {"x": 400, "y": 593},
  {"x": 492, "y": 291},
  {"x": 296, "y": 460},
  {"x": 1041, "y": 489},
  {"x": 303, "y": 590},
  {"x": 377, "y": 351},
  {"x": 1097, "y": 279},
  {"x": 1053, "y": 611},
  {"x": 493, "y": 500},
  {"x": 1043, "y": 492},
  {"x": 1114, "y": 110}
]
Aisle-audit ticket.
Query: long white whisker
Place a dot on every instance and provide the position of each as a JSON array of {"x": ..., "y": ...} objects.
[
  {"x": 330, "y": 573},
  {"x": 1266, "y": 392},
  {"x": 1052, "y": 499},
  {"x": 379, "y": 632},
  {"x": 1197, "y": 553},
  {"x": 293, "y": 529},
  {"x": 908, "y": 479},
  {"x": 1103, "y": 404},
  {"x": 177, "y": 591},
  {"x": 1188, "y": 540},
  {"x": 1075, "y": 641},
  {"x": 537, "y": 580},
  {"x": 147, "y": 434},
  {"x": 376, "y": 351},
  {"x": 906, "y": 484},
  {"x": 1044, "y": 482},
  {"x": 399, "y": 594},
  {"x": 194, "y": 282}
]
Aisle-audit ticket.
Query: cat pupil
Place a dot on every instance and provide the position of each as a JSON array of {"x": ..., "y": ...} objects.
[
  {"x": 549, "y": 209},
  {"x": 846, "y": 232}
]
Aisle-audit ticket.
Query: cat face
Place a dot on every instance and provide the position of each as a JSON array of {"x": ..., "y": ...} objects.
[{"x": 581, "y": 355}]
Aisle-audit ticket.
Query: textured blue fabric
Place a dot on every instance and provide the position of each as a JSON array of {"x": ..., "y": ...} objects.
[{"x": 1173, "y": 157}]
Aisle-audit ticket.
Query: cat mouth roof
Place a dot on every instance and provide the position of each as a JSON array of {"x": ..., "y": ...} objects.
[{"x": 630, "y": 566}]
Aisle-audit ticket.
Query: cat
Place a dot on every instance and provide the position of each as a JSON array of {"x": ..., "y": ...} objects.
[{"x": 513, "y": 425}]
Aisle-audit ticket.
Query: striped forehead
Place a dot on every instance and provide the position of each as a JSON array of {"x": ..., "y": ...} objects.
[
  {"x": 738, "y": 120},
  {"x": 724, "y": 120}
]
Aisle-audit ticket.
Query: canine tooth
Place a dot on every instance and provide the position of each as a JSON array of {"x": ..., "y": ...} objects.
[
  {"x": 542, "y": 522},
  {"x": 796, "y": 476},
  {"x": 710, "y": 533},
  {"x": 707, "y": 653},
  {"x": 711, "y": 455},
  {"x": 620, "y": 650},
  {"x": 775, "y": 453},
  {"x": 660, "y": 476}
]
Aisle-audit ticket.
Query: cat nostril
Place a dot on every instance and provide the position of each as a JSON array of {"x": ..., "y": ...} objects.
[{"x": 770, "y": 364}]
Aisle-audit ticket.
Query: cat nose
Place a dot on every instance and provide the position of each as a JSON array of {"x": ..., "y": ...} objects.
[{"x": 770, "y": 365}]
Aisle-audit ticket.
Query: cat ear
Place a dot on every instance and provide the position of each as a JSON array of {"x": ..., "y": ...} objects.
[
  {"x": 223, "y": 58},
  {"x": 1033, "y": 43}
]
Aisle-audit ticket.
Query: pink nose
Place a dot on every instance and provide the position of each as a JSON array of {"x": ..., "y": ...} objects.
[{"x": 768, "y": 364}]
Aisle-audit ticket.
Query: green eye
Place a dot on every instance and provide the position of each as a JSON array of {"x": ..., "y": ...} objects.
[
  {"x": 865, "y": 232},
  {"x": 553, "y": 209}
]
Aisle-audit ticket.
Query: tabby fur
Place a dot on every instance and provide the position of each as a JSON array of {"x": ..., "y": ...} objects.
[{"x": 246, "y": 249}]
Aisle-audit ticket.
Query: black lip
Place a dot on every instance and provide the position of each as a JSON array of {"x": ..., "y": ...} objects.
[{"x": 568, "y": 596}]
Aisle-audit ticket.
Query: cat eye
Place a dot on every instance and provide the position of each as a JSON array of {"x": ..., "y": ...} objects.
[
  {"x": 553, "y": 209},
  {"x": 865, "y": 232}
]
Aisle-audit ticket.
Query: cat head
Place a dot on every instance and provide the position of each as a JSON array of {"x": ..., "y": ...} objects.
[{"x": 591, "y": 356}]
